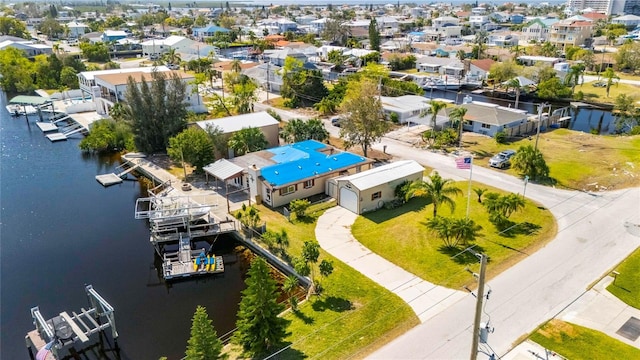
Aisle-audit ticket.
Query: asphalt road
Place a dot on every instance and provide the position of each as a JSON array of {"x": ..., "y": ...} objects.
[{"x": 592, "y": 238}]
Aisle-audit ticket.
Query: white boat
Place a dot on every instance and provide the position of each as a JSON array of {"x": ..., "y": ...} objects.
[
  {"x": 439, "y": 84},
  {"x": 19, "y": 110}
]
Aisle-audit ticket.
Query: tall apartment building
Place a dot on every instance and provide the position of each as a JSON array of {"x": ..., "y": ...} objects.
[{"x": 609, "y": 7}]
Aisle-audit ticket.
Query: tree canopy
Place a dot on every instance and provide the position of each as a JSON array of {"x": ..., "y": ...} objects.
[
  {"x": 259, "y": 326},
  {"x": 203, "y": 343},
  {"x": 364, "y": 122},
  {"x": 247, "y": 140},
  {"x": 156, "y": 112},
  {"x": 297, "y": 130},
  {"x": 530, "y": 162},
  {"x": 193, "y": 146},
  {"x": 13, "y": 27},
  {"x": 300, "y": 86}
]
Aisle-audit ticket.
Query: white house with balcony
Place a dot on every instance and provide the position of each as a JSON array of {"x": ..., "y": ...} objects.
[
  {"x": 155, "y": 48},
  {"x": 77, "y": 29}
]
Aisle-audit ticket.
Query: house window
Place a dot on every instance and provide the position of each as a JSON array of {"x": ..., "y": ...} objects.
[
  {"x": 486, "y": 126},
  {"x": 288, "y": 190},
  {"x": 309, "y": 184},
  {"x": 376, "y": 195}
]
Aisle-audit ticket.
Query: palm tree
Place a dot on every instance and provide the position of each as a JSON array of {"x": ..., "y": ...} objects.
[
  {"x": 465, "y": 230},
  {"x": 457, "y": 119},
  {"x": 171, "y": 57},
  {"x": 515, "y": 83},
  {"x": 573, "y": 76},
  {"x": 481, "y": 39},
  {"x": 236, "y": 66},
  {"x": 517, "y": 51},
  {"x": 436, "y": 189},
  {"x": 479, "y": 192},
  {"x": 610, "y": 75},
  {"x": 512, "y": 203},
  {"x": 435, "y": 108},
  {"x": 529, "y": 161}
]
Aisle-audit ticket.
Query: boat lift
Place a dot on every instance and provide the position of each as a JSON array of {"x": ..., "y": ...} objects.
[
  {"x": 117, "y": 176},
  {"x": 64, "y": 330}
]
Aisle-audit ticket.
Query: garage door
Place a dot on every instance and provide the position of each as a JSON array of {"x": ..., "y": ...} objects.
[{"x": 349, "y": 199}]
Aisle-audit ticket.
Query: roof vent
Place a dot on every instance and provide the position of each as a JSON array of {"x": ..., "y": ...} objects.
[
  {"x": 330, "y": 169},
  {"x": 276, "y": 173},
  {"x": 299, "y": 167},
  {"x": 335, "y": 159},
  {"x": 317, "y": 164}
]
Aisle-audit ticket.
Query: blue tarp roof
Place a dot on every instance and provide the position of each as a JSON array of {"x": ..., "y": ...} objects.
[{"x": 302, "y": 160}]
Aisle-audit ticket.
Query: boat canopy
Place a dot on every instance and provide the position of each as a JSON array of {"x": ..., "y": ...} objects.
[{"x": 29, "y": 100}]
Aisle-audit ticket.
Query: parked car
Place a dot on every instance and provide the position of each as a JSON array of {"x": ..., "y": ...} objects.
[
  {"x": 502, "y": 159},
  {"x": 599, "y": 84},
  {"x": 173, "y": 66},
  {"x": 336, "y": 120}
]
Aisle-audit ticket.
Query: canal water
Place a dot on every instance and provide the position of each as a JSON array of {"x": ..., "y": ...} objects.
[
  {"x": 60, "y": 230},
  {"x": 582, "y": 119}
]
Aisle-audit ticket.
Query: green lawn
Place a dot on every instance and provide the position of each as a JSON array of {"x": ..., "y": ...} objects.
[
  {"x": 400, "y": 236},
  {"x": 576, "y": 160},
  {"x": 577, "y": 342},
  {"x": 627, "y": 286},
  {"x": 599, "y": 94},
  {"x": 354, "y": 315}
]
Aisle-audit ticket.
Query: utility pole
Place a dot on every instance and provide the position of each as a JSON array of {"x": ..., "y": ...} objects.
[
  {"x": 268, "y": 84},
  {"x": 479, "y": 299}
]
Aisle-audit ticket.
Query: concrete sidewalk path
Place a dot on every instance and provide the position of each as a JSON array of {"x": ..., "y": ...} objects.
[
  {"x": 333, "y": 232},
  {"x": 598, "y": 309}
]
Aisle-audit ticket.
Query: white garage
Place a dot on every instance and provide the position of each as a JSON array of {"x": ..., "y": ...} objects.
[
  {"x": 369, "y": 190},
  {"x": 348, "y": 199}
]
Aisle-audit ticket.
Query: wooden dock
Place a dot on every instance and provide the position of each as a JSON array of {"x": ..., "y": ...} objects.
[
  {"x": 113, "y": 178},
  {"x": 173, "y": 267}
]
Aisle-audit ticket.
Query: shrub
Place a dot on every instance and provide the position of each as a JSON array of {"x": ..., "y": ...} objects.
[
  {"x": 299, "y": 207},
  {"x": 500, "y": 137}
]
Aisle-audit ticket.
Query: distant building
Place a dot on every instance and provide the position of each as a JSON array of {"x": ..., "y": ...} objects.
[
  {"x": 76, "y": 29},
  {"x": 629, "y": 21},
  {"x": 113, "y": 35},
  {"x": 30, "y": 48},
  {"x": 155, "y": 48},
  {"x": 570, "y": 33},
  {"x": 488, "y": 119},
  {"x": 208, "y": 31},
  {"x": 537, "y": 30}
]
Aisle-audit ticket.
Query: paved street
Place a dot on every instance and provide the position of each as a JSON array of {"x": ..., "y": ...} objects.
[{"x": 591, "y": 239}]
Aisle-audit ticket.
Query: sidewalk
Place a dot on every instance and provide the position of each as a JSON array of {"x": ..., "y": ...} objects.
[
  {"x": 597, "y": 309},
  {"x": 333, "y": 232}
]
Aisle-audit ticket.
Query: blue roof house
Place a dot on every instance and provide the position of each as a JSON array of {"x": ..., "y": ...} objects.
[
  {"x": 208, "y": 31},
  {"x": 279, "y": 175}
]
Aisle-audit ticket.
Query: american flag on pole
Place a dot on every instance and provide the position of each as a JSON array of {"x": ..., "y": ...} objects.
[
  {"x": 463, "y": 162},
  {"x": 42, "y": 353}
]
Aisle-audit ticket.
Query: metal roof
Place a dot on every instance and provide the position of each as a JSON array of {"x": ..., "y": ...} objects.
[
  {"x": 29, "y": 100},
  {"x": 232, "y": 124},
  {"x": 223, "y": 169},
  {"x": 383, "y": 174}
]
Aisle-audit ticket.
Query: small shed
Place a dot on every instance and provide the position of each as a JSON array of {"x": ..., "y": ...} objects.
[{"x": 369, "y": 190}]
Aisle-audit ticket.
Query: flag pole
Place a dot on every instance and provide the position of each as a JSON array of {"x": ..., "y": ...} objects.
[{"x": 469, "y": 191}]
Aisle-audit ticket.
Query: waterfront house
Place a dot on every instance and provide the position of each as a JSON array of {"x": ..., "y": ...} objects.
[
  {"x": 229, "y": 125},
  {"x": 369, "y": 190},
  {"x": 488, "y": 119},
  {"x": 405, "y": 107},
  {"x": 280, "y": 175},
  {"x": 440, "y": 66},
  {"x": 570, "y": 33},
  {"x": 537, "y": 30}
]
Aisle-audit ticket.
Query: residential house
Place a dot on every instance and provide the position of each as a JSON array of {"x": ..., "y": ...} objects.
[
  {"x": 530, "y": 60},
  {"x": 500, "y": 17},
  {"x": 231, "y": 124},
  {"x": 477, "y": 21},
  {"x": 387, "y": 25},
  {"x": 479, "y": 69},
  {"x": 502, "y": 39},
  {"x": 155, "y": 48},
  {"x": 267, "y": 76},
  {"x": 108, "y": 87},
  {"x": 570, "y": 33},
  {"x": 406, "y": 108},
  {"x": 440, "y": 66},
  {"x": 317, "y": 26},
  {"x": 488, "y": 119},
  {"x": 30, "y": 48},
  {"x": 629, "y": 21},
  {"x": 208, "y": 31},
  {"x": 278, "y": 57},
  {"x": 369, "y": 190},
  {"x": 517, "y": 19},
  {"x": 113, "y": 35},
  {"x": 77, "y": 29},
  {"x": 280, "y": 175},
  {"x": 445, "y": 21},
  {"x": 537, "y": 30}
]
